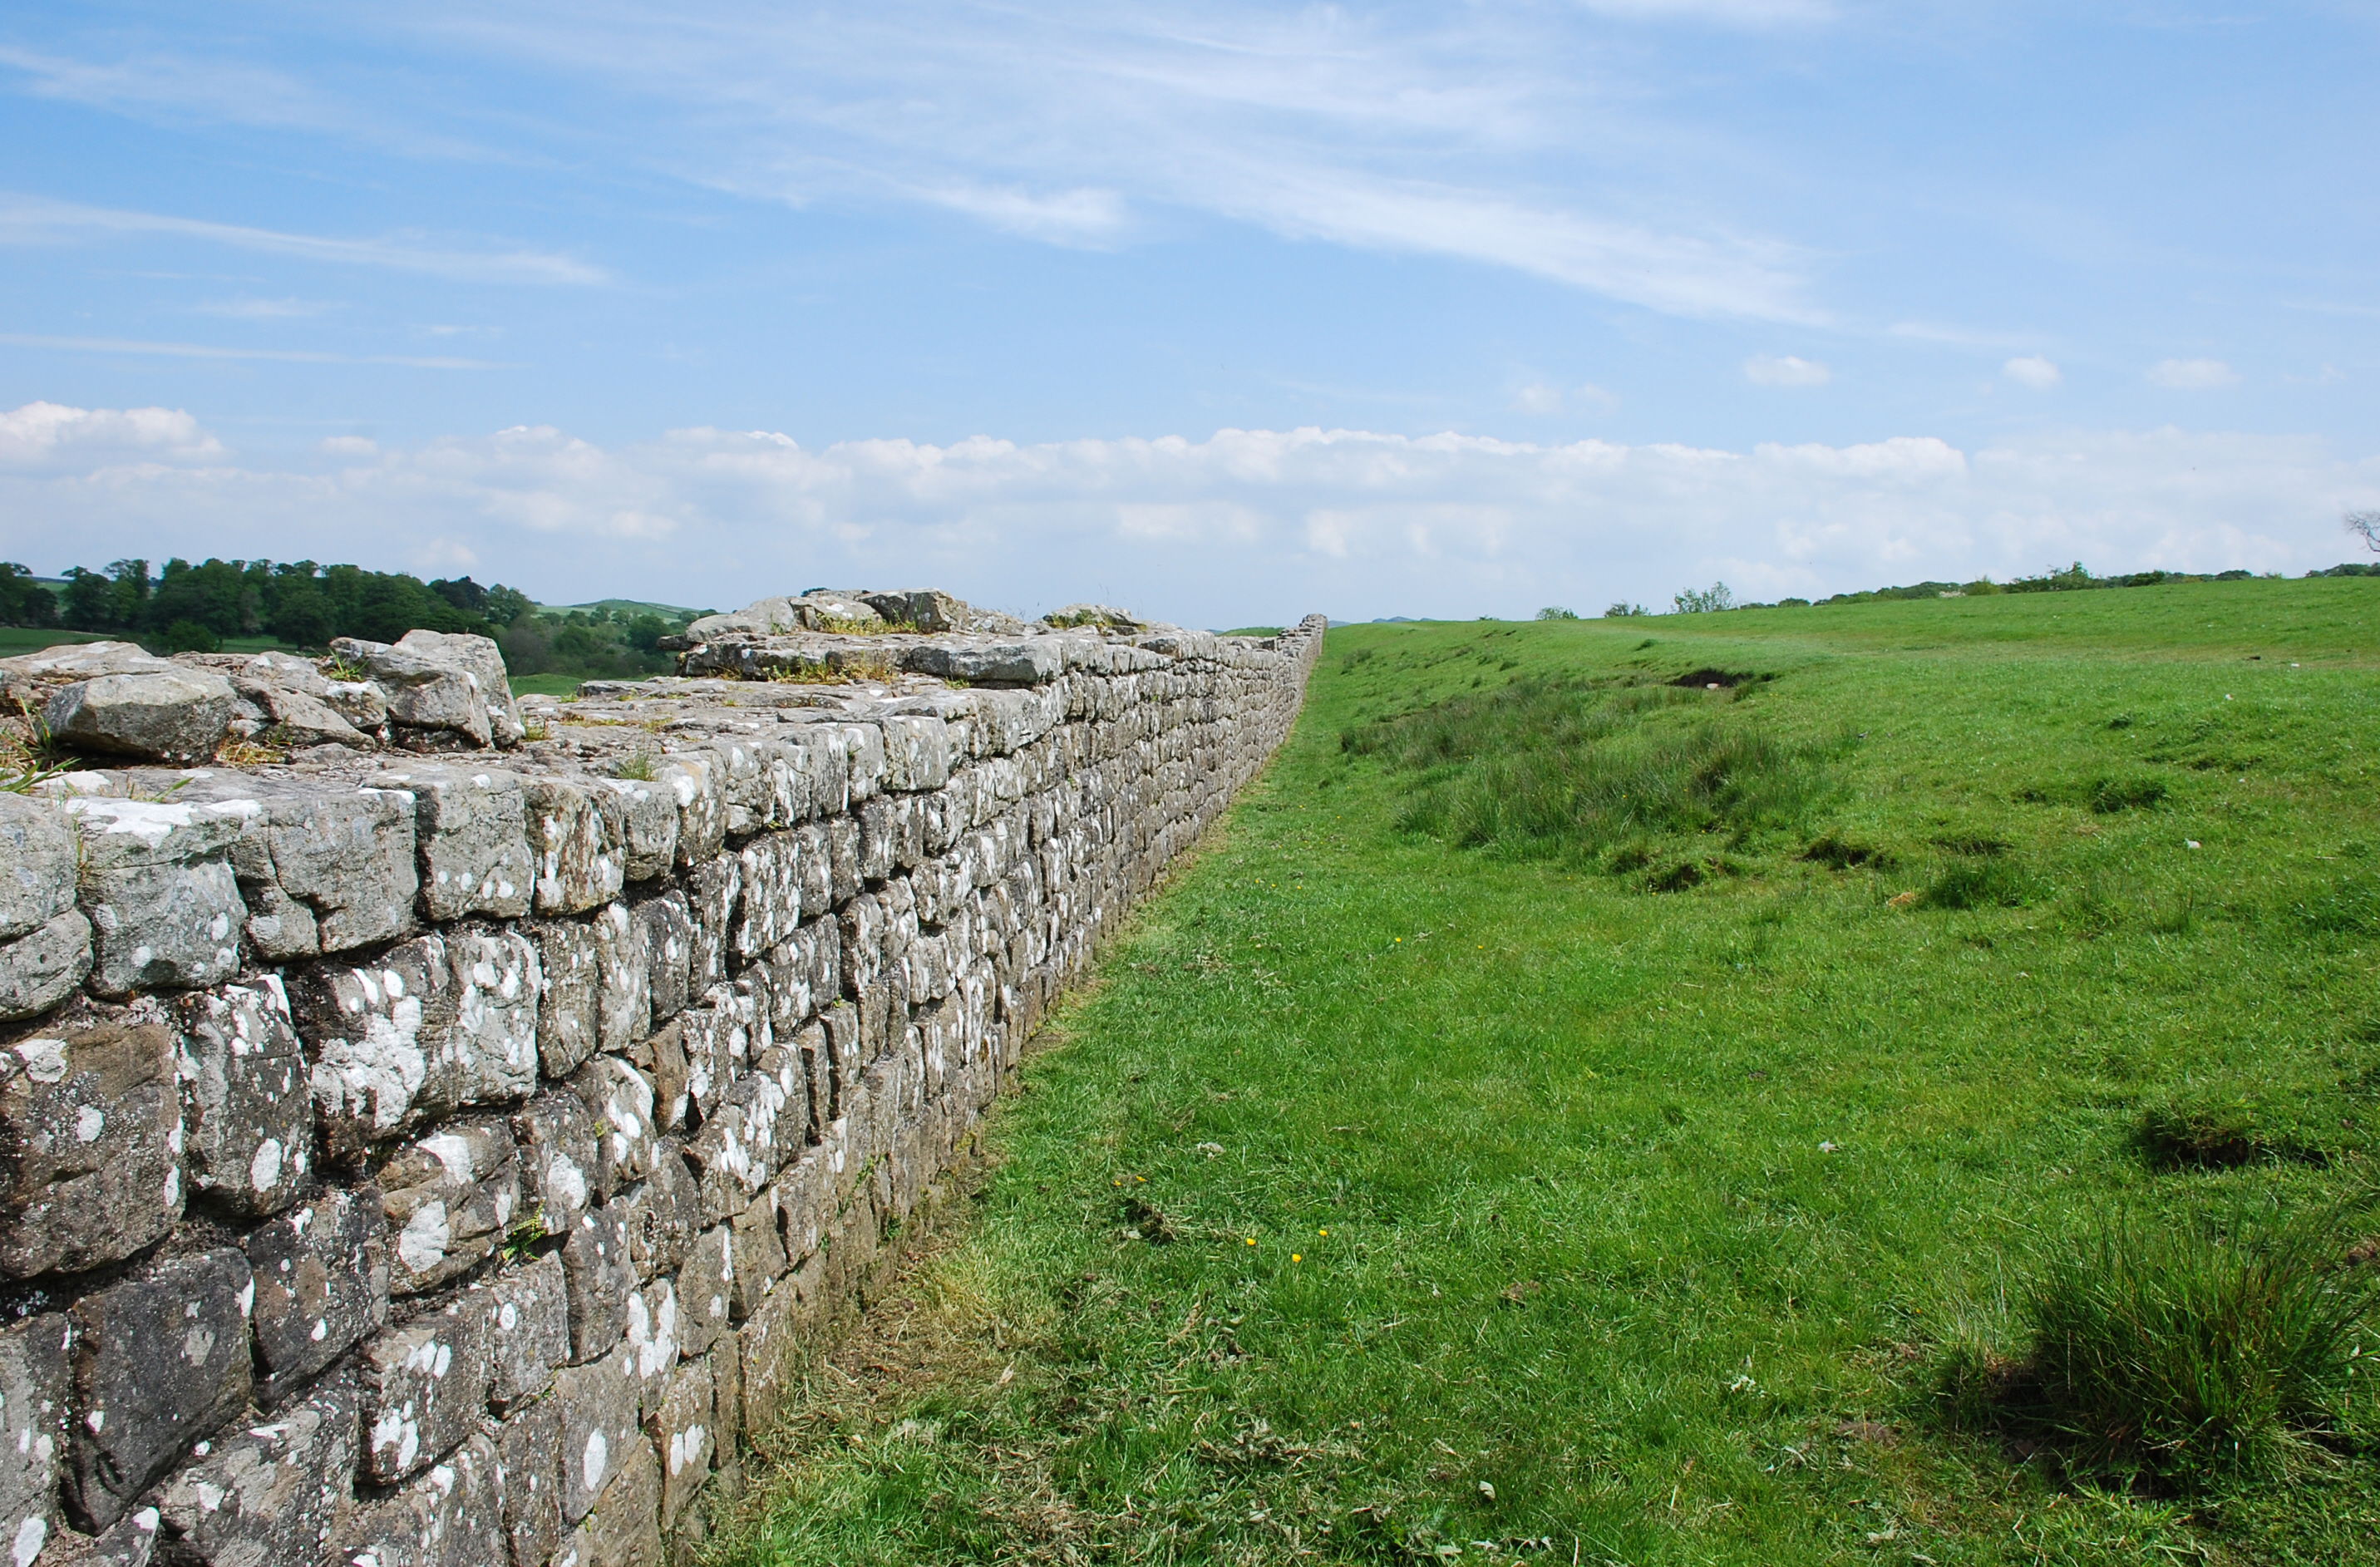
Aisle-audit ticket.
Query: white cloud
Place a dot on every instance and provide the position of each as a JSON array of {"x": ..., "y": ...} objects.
[
  {"x": 1537, "y": 398},
  {"x": 1789, "y": 369},
  {"x": 264, "y": 310},
  {"x": 44, "y": 434},
  {"x": 1242, "y": 527},
  {"x": 2192, "y": 375},
  {"x": 31, "y": 220},
  {"x": 2033, "y": 370}
]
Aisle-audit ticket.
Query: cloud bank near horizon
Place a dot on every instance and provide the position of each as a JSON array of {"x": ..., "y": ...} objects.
[{"x": 1244, "y": 527}]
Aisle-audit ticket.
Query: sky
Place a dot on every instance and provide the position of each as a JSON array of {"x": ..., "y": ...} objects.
[{"x": 1222, "y": 312}]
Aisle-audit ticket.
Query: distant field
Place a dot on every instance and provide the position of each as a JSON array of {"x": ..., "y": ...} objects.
[{"x": 1390, "y": 1200}]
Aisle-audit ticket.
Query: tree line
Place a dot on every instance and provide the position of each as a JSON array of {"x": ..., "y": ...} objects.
[{"x": 187, "y": 608}]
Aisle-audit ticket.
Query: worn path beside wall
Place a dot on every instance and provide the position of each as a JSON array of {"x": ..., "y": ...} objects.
[{"x": 445, "y": 1158}]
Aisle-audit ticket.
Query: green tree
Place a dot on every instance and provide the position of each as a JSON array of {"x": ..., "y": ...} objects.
[{"x": 24, "y": 602}]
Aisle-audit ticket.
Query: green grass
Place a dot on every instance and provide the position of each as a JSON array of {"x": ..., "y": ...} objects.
[
  {"x": 1654, "y": 1218},
  {"x": 547, "y": 685}
]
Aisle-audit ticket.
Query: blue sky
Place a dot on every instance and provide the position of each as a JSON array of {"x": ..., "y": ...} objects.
[{"x": 1225, "y": 311}]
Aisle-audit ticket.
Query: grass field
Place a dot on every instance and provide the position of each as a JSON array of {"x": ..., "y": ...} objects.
[{"x": 1394, "y": 1201}]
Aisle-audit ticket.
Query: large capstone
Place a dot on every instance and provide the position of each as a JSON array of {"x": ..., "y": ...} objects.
[{"x": 166, "y": 716}]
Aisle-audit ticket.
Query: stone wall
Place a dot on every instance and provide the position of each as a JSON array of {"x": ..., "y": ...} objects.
[{"x": 443, "y": 1155}]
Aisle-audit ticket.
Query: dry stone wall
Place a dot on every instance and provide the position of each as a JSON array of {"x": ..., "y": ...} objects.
[{"x": 444, "y": 1156}]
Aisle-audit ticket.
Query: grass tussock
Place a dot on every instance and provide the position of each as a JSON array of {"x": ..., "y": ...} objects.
[
  {"x": 2192, "y": 1354},
  {"x": 1546, "y": 769},
  {"x": 2223, "y": 1131}
]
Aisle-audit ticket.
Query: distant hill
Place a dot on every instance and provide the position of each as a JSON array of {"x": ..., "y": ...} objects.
[{"x": 630, "y": 608}]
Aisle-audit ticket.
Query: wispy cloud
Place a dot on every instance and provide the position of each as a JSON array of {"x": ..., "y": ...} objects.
[
  {"x": 1484, "y": 136},
  {"x": 219, "y": 351},
  {"x": 2192, "y": 375},
  {"x": 265, "y": 309},
  {"x": 2033, "y": 370},
  {"x": 1785, "y": 370},
  {"x": 26, "y": 220}
]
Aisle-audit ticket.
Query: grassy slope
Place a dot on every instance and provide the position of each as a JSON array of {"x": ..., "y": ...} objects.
[{"x": 1585, "y": 1245}]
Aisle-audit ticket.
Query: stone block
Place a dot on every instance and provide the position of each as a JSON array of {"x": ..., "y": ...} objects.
[
  {"x": 652, "y": 1339},
  {"x": 42, "y": 967},
  {"x": 578, "y": 866},
  {"x": 713, "y": 887},
  {"x": 667, "y": 928},
  {"x": 842, "y": 859},
  {"x": 32, "y": 1429},
  {"x": 450, "y": 1200},
  {"x": 345, "y": 857},
  {"x": 444, "y": 705},
  {"x": 321, "y": 1285},
  {"x": 90, "y": 1122},
  {"x": 161, "y": 1359},
  {"x": 661, "y": 1213},
  {"x": 727, "y": 1403},
  {"x": 157, "y": 884},
  {"x": 642, "y": 817},
  {"x": 567, "y": 1023},
  {"x": 247, "y": 1109},
  {"x": 660, "y": 1056},
  {"x": 479, "y": 657},
  {"x": 555, "y": 1132},
  {"x": 173, "y": 715},
  {"x": 621, "y": 1100},
  {"x": 681, "y": 1429},
  {"x": 706, "y": 1286},
  {"x": 432, "y": 1025},
  {"x": 267, "y": 1494},
  {"x": 716, "y": 1039},
  {"x": 424, "y": 1386},
  {"x": 530, "y": 1448},
  {"x": 624, "y": 1530},
  {"x": 736, "y": 1150},
  {"x": 757, "y": 1256},
  {"x": 623, "y": 1001},
  {"x": 597, "y": 1280},
  {"x": 36, "y": 863},
  {"x": 449, "y": 1515},
  {"x": 528, "y": 1327},
  {"x": 302, "y": 718},
  {"x": 692, "y": 782},
  {"x": 598, "y": 1410},
  {"x": 471, "y": 828}
]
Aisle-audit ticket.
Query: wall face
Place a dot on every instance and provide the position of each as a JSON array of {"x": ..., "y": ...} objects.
[{"x": 445, "y": 1159}]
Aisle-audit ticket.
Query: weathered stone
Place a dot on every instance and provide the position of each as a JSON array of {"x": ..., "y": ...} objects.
[
  {"x": 621, "y": 1102},
  {"x": 706, "y": 1286},
  {"x": 713, "y": 888},
  {"x": 157, "y": 883},
  {"x": 433, "y": 1024},
  {"x": 728, "y": 1420},
  {"x": 529, "y": 1445},
  {"x": 598, "y": 1404},
  {"x": 91, "y": 1120},
  {"x": 302, "y": 718},
  {"x": 757, "y": 1256},
  {"x": 529, "y": 1321},
  {"x": 83, "y": 661},
  {"x": 450, "y": 1200},
  {"x": 322, "y": 1284},
  {"x": 578, "y": 866},
  {"x": 361, "y": 702},
  {"x": 268, "y": 1494},
  {"x": 567, "y": 1023},
  {"x": 178, "y": 715},
  {"x": 345, "y": 856},
  {"x": 286, "y": 672},
  {"x": 248, "y": 1111},
  {"x": 738, "y": 1149},
  {"x": 622, "y": 1003},
  {"x": 681, "y": 1430},
  {"x": 667, "y": 929},
  {"x": 716, "y": 1039},
  {"x": 449, "y": 1515},
  {"x": 598, "y": 1279},
  {"x": 691, "y": 779},
  {"x": 661, "y": 1213},
  {"x": 161, "y": 1359},
  {"x": 423, "y": 1386},
  {"x": 435, "y": 697},
  {"x": 660, "y": 1056},
  {"x": 36, "y": 863},
  {"x": 642, "y": 819},
  {"x": 652, "y": 1337},
  {"x": 624, "y": 1529},
  {"x": 131, "y": 1543},
  {"x": 32, "y": 1429},
  {"x": 485, "y": 662},
  {"x": 42, "y": 967},
  {"x": 472, "y": 827},
  {"x": 559, "y": 1162}
]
